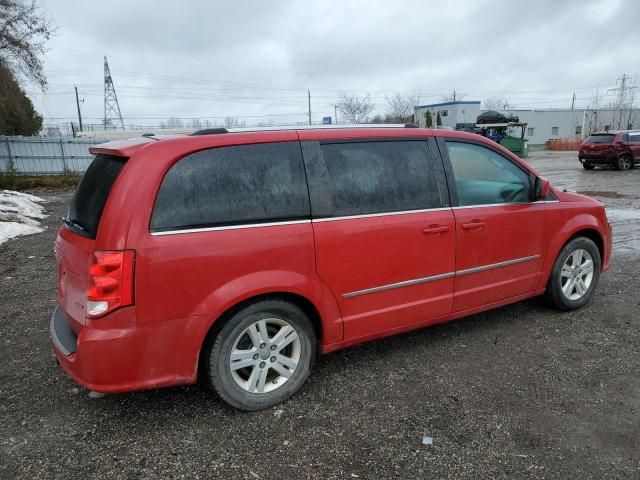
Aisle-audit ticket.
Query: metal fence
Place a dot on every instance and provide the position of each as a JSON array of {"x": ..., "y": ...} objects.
[{"x": 45, "y": 155}]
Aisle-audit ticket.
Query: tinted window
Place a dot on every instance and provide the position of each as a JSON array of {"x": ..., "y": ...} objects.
[
  {"x": 91, "y": 195},
  {"x": 233, "y": 185},
  {"x": 634, "y": 137},
  {"x": 371, "y": 177},
  {"x": 484, "y": 177},
  {"x": 604, "y": 138}
]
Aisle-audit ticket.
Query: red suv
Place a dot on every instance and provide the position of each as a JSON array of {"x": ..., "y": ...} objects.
[
  {"x": 618, "y": 149},
  {"x": 238, "y": 255}
]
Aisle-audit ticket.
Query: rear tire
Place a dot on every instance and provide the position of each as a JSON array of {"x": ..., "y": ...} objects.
[
  {"x": 261, "y": 356},
  {"x": 624, "y": 162},
  {"x": 575, "y": 275}
]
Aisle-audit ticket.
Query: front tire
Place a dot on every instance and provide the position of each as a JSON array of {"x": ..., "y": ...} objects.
[
  {"x": 624, "y": 162},
  {"x": 588, "y": 166},
  {"x": 262, "y": 355},
  {"x": 575, "y": 274}
]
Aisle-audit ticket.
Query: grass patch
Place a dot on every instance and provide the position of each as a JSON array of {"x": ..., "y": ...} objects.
[{"x": 29, "y": 182}]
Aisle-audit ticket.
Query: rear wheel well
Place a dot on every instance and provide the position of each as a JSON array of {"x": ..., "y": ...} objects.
[
  {"x": 592, "y": 235},
  {"x": 301, "y": 302}
]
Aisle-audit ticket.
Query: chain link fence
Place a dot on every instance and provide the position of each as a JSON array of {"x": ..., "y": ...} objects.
[{"x": 45, "y": 155}]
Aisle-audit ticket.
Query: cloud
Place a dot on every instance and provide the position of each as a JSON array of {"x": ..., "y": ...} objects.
[{"x": 214, "y": 59}]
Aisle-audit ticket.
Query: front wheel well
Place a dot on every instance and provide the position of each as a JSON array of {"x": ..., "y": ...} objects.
[
  {"x": 592, "y": 235},
  {"x": 301, "y": 302}
]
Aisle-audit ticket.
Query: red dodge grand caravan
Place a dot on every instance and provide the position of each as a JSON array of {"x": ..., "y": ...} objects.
[{"x": 238, "y": 255}]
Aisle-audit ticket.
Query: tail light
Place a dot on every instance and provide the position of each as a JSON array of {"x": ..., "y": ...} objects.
[{"x": 110, "y": 281}]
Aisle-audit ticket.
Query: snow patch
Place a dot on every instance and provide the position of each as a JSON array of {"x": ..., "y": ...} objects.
[{"x": 20, "y": 214}]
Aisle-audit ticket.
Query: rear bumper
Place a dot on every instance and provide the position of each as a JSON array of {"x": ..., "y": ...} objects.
[{"x": 116, "y": 354}]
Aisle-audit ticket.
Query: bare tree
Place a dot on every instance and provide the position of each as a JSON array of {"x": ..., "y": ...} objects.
[
  {"x": 24, "y": 32},
  {"x": 172, "y": 122},
  {"x": 355, "y": 109},
  {"x": 196, "y": 124},
  {"x": 496, "y": 103},
  {"x": 230, "y": 122},
  {"x": 400, "y": 108},
  {"x": 453, "y": 96},
  {"x": 591, "y": 117}
]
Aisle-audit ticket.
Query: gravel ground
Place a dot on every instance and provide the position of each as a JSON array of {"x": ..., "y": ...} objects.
[{"x": 519, "y": 392}]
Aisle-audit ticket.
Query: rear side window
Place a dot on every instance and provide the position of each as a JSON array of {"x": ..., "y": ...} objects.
[
  {"x": 634, "y": 137},
  {"x": 357, "y": 178},
  {"x": 91, "y": 195},
  {"x": 233, "y": 186},
  {"x": 604, "y": 138}
]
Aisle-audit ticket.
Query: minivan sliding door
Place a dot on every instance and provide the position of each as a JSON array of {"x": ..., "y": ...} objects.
[{"x": 384, "y": 232}]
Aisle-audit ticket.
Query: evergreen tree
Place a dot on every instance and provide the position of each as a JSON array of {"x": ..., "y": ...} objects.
[
  {"x": 428, "y": 120},
  {"x": 17, "y": 115}
]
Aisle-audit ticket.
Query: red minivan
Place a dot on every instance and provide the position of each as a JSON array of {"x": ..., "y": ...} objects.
[{"x": 235, "y": 256}]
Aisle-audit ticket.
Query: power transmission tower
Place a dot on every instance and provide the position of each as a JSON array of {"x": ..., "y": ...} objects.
[
  {"x": 624, "y": 101},
  {"x": 112, "y": 115}
]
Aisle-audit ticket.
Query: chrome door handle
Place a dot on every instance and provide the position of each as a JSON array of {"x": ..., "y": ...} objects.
[
  {"x": 435, "y": 229},
  {"x": 474, "y": 225}
]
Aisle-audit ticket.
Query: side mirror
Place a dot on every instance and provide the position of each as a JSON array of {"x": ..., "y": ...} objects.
[{"x": 543, "y": 187}]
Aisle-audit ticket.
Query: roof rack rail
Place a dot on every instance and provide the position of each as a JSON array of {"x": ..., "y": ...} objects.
[
  {"x": 211, "y": 131},
  {"x": 219, "y": 130}
]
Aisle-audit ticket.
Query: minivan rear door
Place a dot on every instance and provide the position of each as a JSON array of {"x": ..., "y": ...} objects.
[
  {"x": 76, "y": 238},
  {"x": 384, "y": 232}
]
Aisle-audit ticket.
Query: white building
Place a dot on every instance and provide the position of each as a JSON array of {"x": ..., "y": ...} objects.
[
  {"x": 543, "y": 124},
  {"x": 451, "y": 113}
]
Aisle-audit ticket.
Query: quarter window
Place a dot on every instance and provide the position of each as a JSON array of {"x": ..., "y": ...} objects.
[
  {"x": 484, "y": 177},
  {"x": 232, "y": 186},
  {"x": 371, "y": 177}
]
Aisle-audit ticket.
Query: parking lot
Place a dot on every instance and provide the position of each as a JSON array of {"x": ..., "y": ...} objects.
[{"x": 518, "y": 392}]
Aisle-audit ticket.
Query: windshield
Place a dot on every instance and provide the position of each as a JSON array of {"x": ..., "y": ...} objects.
[{"x": 92, "y": 193}]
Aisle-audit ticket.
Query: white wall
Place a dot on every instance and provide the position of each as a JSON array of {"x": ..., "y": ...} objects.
[
  {"x": 567, "y": 121},
  {"x": 457, "y": 112}
]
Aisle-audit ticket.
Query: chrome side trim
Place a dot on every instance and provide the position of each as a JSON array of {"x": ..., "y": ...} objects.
[
  {"x": 229, "y": 227},
  {"x": 442, "y": 276},
  {"x": 384, "y": 214},
  {"x": 461, "y": 207},
  {"x": 482, "y": 268},
  {"x": 406, "y": 283}
]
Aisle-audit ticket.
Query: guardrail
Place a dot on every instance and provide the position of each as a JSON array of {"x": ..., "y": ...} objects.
[{"x": 45, "y": 155}]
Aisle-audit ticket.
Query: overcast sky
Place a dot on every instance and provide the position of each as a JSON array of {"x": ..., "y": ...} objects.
[{"x": 256, "y": 60}]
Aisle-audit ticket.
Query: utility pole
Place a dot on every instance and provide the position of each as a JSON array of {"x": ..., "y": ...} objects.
[
  {"x": 78, "y": 105},
  {"x": 309, "y": 98},
  {"x": 335, "y": 110},
  {"x": 573, "y": 101},
  {"x": 454, "y": 95}
]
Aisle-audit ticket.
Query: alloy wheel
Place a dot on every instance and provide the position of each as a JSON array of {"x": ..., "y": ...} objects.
[
  {"x": 576, "y": 274},
  {"x": 265, "y": 355},
  {"x": 624, "y": 163}
]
